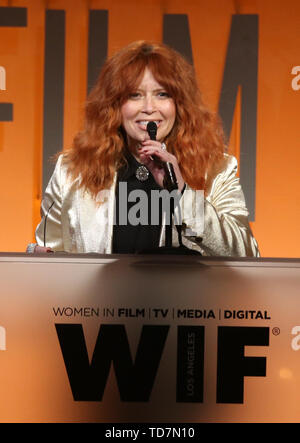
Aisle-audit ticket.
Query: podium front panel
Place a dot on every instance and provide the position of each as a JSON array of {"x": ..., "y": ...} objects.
[{"x": 149, "y": 339}]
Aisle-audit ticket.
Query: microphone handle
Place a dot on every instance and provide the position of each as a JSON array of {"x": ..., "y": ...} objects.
[{"x": 170, "y": 180}]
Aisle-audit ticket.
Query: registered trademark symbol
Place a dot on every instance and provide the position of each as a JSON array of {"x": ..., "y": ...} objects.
[{"x": 275, "y": 331}]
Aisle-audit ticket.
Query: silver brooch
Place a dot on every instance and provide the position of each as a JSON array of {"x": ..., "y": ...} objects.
[{"x": 142, "y": 173}]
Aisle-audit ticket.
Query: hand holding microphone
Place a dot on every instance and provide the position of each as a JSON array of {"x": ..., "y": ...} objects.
[{"x": 159, "y": 157}]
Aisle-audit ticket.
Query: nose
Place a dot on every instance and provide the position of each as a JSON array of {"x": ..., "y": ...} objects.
[{"x": 149, "y": 105}]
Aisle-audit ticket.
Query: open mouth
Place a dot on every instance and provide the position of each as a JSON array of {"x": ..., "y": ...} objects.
[{"x": 143, "y": 123}]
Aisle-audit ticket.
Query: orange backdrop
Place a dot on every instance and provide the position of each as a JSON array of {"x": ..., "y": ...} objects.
[{"x": 278, "y": 141}]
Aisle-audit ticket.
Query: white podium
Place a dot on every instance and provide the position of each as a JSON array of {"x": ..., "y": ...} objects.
[{"x": 120, "y": 339}]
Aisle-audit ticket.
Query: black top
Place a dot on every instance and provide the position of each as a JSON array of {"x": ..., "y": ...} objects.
[{"x": 129, "y": 237}]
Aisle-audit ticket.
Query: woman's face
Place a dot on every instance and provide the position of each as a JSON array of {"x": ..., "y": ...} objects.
[{"x": 150, "y": 102}]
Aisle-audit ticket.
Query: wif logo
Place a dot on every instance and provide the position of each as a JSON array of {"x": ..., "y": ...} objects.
[
  {"x": 136, "y": 377},
  {"x": 2, "y": 339},
  {"x": 2, "y": 79}
]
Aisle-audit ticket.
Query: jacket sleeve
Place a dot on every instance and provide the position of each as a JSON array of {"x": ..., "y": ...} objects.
[
  {"x": 218, "y": 225},
  {"x": 49, "y": 230}
]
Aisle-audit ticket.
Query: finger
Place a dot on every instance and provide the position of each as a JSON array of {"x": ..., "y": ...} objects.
[
  {"x": 151, "y": 147},
  {"x": 157, "y": 147},
  {"x": 162, "y": 155},
  {"x": 146, "y": 160},
  {"x": 151, "y": 164},
  {"x": 151, "y": 143}
]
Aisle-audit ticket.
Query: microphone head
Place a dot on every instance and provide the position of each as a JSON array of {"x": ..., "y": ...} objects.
[{"x": 152, "y": 130}]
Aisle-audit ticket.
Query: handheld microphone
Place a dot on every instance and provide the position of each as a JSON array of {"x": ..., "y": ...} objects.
[{"x": 170, "y": 181}]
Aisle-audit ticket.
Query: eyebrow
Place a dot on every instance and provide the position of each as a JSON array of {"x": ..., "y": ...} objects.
[{"x": 154, "y": 90}]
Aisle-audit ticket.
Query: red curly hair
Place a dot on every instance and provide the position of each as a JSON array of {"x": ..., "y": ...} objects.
[{"x": 196, "y": 139}]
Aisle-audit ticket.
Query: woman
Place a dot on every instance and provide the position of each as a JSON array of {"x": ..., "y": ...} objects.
[{"x": 141, "y": 83}]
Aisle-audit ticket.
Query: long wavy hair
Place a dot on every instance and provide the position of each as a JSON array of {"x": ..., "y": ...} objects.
[{"x": 98, "y": 150}]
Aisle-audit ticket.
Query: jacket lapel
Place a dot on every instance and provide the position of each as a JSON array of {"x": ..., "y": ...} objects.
[{"x": 96, "y": 218}]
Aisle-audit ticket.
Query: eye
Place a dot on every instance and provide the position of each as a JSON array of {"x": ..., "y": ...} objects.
[
  {"x": 163, "y": 94},
  {"x": 134, "y": 95}
]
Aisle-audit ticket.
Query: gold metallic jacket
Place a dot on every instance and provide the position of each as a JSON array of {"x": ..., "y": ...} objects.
[{"x": 217, "y": 227}]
